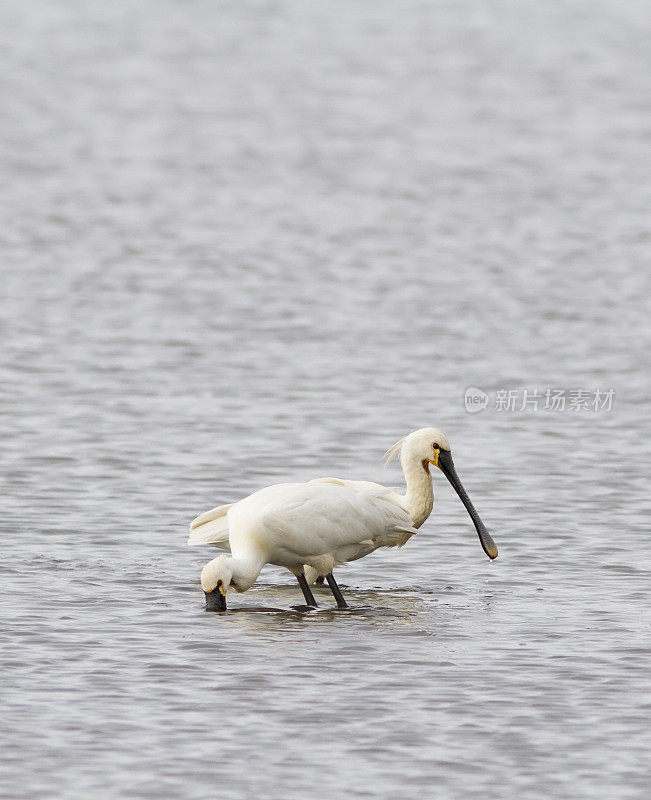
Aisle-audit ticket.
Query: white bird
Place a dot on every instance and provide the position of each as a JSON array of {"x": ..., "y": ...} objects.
[{"x": 325, "y": 522}]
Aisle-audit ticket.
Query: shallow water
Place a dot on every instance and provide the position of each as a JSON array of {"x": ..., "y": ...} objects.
[{"x": 256, "y": 242}]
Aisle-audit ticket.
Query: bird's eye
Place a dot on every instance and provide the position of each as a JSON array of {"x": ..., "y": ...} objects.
[
  {"x": 220, "y": 582},
  {"x": 436, "y": 446}
]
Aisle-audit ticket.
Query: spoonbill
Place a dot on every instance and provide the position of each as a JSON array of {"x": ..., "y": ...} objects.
[{"x": 325, "y": 522}]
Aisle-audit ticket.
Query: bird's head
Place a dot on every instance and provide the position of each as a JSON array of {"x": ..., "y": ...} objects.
[
  {"x": 431, "y": 446},
  {"x": 424, "y": 445},
  {"x": 215, "y": 579}
]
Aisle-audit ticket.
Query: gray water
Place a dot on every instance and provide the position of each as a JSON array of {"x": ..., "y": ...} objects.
[{"x": 251, "y": 242}]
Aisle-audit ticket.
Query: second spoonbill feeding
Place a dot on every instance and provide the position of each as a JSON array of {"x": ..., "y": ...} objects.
[{"x": 325, "y": 522}]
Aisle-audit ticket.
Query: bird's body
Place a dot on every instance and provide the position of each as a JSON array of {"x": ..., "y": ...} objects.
[{"x": 320, "y": 524}]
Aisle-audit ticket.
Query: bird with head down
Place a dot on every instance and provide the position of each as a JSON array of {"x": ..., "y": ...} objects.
[{"x": 313, "y": 527}]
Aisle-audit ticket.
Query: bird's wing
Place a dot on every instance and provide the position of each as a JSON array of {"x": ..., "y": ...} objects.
[
  {"x": 358, "y": 486},
  {"x": 389, "y": 492},
  {"x": 211, "y": 527},
  {"x": 323, "y": 517}
]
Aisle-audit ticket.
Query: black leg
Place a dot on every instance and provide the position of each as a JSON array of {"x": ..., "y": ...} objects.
[
  {"x": 336, "y": 591},
  {"x": 309, "y": 597}
]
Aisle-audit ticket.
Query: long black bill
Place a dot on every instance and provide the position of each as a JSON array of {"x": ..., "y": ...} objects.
[
  {"x": 446, "y": 465},
  {"x": 215, "y": 601}
]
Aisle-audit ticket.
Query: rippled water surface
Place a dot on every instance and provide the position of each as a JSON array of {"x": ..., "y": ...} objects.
[{"x": 249, "y": 242}]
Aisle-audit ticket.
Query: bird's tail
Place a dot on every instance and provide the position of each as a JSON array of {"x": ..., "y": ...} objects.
[{"x": 211, "y": 528}]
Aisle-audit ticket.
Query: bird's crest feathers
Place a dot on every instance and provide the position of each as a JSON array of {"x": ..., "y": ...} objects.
[{"x": 394, "y": 450}]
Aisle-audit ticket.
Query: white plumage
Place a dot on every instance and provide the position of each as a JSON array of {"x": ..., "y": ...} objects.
[
  {"x": 313, "y": 527},
  {"x": 306, "y": 519},
  {"x": 211, "y": 527}
]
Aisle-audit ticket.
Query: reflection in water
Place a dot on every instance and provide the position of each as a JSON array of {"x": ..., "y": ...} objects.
[{"x": 246, "y": 245}]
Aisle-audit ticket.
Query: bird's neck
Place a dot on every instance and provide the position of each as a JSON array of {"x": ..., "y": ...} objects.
[
  {"x": 420, "y": 494},
  {"x": 245, "y": 571}
]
